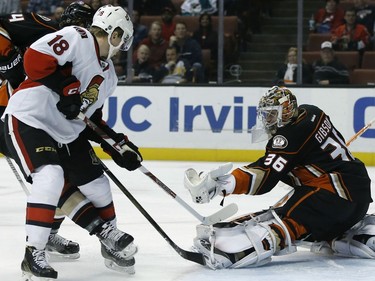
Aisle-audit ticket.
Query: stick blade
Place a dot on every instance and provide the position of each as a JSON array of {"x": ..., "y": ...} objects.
[{"x": 221, "y": 215}]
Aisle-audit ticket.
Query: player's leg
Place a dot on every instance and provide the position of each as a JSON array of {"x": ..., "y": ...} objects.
[
  {"x": 35, "y": 153},
  {"x": 249, "y": 243},
  {"x": 313, "y": 214},
  {"x": 57, "y": 245},
  {"x": 357, "y": 242},
  {"x": 84, "y": 171}
]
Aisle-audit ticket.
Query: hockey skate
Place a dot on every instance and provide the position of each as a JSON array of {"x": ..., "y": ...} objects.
[
  {"x": 122, "y": 261},
  {"x": 58, "y": 246},
  {"x": 35, "y": 266},
  {"x": 114, "y": 238}
]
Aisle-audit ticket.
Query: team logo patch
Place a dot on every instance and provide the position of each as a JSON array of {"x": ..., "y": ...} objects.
[
  {"x": 91, "y": 94},
  {"x": 279, "y": 142}
]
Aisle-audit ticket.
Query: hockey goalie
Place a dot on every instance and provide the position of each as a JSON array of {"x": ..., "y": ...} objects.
[{"x": 328, "y": 208}]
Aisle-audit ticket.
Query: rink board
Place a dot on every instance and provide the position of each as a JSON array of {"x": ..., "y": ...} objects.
[{"x": 212, "y": 123}]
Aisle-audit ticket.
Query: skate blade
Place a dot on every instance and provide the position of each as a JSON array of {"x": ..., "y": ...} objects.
[
  {"x": 130, "y": 251},
  {"x": 27, "y": 276},
  {"x": 123, "y": 269},
  {"x": 58, "y": 256}
]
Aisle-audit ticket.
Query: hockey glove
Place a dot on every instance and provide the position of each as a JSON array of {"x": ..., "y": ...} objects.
[
  {"x": 203, "y": 188},
  {"x": 131, "y": 159},
  {"x": 70, "y": 101}
]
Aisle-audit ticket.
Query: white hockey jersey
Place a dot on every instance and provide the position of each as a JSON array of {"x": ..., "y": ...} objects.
[{"x": 35, "y": 104}]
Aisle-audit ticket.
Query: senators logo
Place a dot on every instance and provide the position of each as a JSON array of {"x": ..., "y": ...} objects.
[{"x": 91, "y": 94}]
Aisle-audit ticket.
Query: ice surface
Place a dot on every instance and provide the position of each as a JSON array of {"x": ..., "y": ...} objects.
[{"x": 156, "y": 260}]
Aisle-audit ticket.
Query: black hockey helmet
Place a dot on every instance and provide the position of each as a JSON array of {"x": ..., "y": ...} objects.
[{"x": 77, "y": 13}]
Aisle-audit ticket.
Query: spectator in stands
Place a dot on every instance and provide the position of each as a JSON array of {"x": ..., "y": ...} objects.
[
  {"x": 329, "y": 17},
  {"x": 143, "y": 72},
  {"x": 168, "y": 25},
  {"x": 95, "y": 4},
  {"x": 153, "y": 7},
  {"x": 365, "y": 14},
  {"x": 176, "y": 70},
  {"x": 287, "y": 73},
  {"x": 10, "y": 6},
  {"x": 350, "y": 36},
  {"x": 189, "y": 49},
  {"x": 328, "y": 70},
  {"x": 198, "y": 7},
  {"x": 140, "y": 30},
  {"x": 156, "y": 44},
  {"x": 44, "y": 7},
  {"x": 206, "y": 36}
]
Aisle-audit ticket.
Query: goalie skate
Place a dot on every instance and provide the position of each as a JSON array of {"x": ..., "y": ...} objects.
[
  {"x": 58, "y": 246},
  {"x": 122, "y": 261},
  {"x": 35, "y": 266}
]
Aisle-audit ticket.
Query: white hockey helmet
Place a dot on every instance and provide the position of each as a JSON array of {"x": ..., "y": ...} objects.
[
  {"x": 277, "y": 107},
  {"x": 109, "y": 18}
]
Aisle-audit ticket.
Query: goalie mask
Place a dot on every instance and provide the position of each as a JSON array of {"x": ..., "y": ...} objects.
[
  {"x": 109, "y": 18},
  {"x": 277, "y": 108}
]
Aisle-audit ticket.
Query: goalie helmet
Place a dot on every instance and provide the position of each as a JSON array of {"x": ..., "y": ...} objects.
[
  {"x": 277, "y": 108},
  {"x": 77, "y": 13},
  {"x": 109, "y": 18}
]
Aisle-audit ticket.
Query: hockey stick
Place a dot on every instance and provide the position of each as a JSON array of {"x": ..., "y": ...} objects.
[
  {"x": 360, "y": 132},
  {"x": 220, "y": 215},
  {"x": 24, "y": 187},
  {"x": 191, "y": 256}
]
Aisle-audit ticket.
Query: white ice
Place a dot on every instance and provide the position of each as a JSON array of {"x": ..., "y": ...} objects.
[{"x": 156, "y": 260}]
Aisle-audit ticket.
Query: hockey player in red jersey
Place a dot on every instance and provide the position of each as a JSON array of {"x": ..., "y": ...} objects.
[
  {"x": 73, "y": 73},
  {"x": 330, "y": 200}
]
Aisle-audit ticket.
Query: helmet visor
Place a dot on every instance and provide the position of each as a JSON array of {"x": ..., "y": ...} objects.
[
  {"x": 270, "y": 115},
  {"x": 126, "y": 44}
]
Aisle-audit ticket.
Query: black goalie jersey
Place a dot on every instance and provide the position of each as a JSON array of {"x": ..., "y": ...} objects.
[{"x": 307, "y": 152}]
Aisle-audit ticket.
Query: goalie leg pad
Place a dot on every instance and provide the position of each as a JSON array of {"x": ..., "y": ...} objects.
[
  {"x": 248, "y": 244},
  {"x": 359, "y": 241}
]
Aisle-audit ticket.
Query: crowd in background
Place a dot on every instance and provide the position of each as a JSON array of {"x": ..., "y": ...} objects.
[{"x": 167, "y": 51}]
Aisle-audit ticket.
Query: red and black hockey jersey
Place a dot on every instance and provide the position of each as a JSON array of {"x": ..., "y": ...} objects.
[{"x": 307, "y": 152}]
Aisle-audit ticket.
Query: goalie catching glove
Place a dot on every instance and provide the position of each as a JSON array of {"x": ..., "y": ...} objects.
[
  {"x": 130, "y": 159},
  {"x": 204, "y": 187}
]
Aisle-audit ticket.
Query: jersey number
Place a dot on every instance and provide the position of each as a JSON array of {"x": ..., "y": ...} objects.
[
  {"x": 278, "y": 164},
  {"x": 339, "y": 148},
  {"x": 59, "y": 45}
]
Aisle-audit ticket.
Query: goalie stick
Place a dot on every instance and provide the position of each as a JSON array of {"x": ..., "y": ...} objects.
[
  {"x": 360, "y": 132},
  {"x": 220, "y": 215},
  {"x": 191, "y": 256}
]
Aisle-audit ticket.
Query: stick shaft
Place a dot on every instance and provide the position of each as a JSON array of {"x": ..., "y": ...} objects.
[
  {"x": 360, "y": 132},
  {"x": 192, "y": 256},
  {"x": 15, "y": 172}
]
